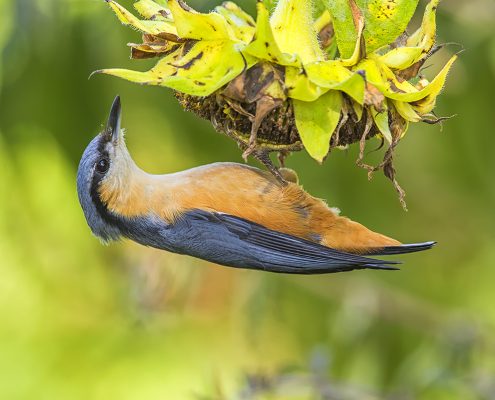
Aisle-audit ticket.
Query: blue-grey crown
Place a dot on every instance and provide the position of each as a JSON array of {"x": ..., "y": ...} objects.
[{"x": 94, "y": 210}]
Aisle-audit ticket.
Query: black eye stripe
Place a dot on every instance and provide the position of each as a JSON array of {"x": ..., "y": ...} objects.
[
  {"x": 98, "y": 176},
  {"x": 101, "y": 170}
]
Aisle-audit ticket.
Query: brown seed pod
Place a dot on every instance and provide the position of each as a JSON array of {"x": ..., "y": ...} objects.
[{"x": 260, "y": 123}]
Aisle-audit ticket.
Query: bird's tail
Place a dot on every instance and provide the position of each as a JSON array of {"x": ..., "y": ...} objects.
[{"x": 401, "y": 249}]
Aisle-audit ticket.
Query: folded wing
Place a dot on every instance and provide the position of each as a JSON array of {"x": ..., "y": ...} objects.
[{"x": 236, "y": 242}]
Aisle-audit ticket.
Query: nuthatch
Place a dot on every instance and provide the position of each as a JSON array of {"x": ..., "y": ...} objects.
[{"x": 226, "y": 213}]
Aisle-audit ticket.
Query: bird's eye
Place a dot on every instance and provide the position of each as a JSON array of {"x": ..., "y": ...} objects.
[{"x": 102, "y": 165}]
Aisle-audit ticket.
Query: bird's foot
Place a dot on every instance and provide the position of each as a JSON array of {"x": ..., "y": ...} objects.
[{"x": 251, "y": 147}]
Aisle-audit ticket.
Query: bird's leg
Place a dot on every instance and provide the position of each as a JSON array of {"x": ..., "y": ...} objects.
[{"x": 263, "y": 156}]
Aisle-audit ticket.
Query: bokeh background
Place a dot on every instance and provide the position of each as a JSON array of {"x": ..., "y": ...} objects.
[{"x": 79, "y": 320}]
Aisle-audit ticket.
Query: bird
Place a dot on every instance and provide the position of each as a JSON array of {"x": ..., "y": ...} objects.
[{"x": 227, "y": 213}]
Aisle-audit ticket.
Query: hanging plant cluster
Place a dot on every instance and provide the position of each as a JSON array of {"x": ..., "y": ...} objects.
[{"x": 289, "y": 80}]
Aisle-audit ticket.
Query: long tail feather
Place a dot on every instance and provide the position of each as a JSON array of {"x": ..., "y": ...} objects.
[{"x": 402, "y": 249}]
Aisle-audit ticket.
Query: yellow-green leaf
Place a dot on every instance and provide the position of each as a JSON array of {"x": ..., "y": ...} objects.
[
  {"x": 242, "y": 23},
  {"x": 316, "y": 122},
  {"x": 425, "y": 35},
  {"x": 432, "y": 89},
  {"x": 384, "y": 21},
  {"x": 402, "y": 57},
  {"x": 359, "y": 52},
  {"x": 191, "y": 24},
  {"x": 300, "y": 87},
  {"x": 206, "y": 67},
  {"x": 384, "y": 79},
  {"x": 381, "y": 121},
  {"x": 152, "y": 10},
  {"x": 406, "y": 111},
  {"x": 146, "y": 26},
  {"x": 332, "y": 75},
  {"x": 264, "y": 45},
  {"x": 358, "y": 109},
  {"x": 426, "y": 105},
  {"x": 293, "y": 30},
  {"x": 418, "y": 46},
  {"x": 343, "y": 24}
]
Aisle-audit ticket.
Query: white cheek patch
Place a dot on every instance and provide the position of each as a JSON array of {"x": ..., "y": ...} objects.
[{"x": 121, "y": 164}]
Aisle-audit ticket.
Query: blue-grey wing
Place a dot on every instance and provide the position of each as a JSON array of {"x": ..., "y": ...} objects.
[{"x": 232, "y": 241}]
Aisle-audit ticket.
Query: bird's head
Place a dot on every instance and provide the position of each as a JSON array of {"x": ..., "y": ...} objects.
[{"x": 105, "y": 163}]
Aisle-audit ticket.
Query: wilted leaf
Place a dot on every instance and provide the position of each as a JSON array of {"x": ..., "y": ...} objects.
[
  {"x": 373, "y": 97},
  {"x": 142, "y": 51}
]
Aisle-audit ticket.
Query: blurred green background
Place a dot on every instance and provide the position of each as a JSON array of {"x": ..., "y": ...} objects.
[{"x": 79, "y": 320}]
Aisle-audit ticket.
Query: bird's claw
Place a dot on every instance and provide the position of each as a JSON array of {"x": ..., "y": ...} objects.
[{"x": 251, "y": 148}]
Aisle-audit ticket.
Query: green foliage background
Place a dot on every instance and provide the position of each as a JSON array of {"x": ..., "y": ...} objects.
[{"x": 79, "y": 320}]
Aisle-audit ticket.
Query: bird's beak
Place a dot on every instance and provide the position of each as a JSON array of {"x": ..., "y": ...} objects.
[{"x": 113, "y": 124}]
